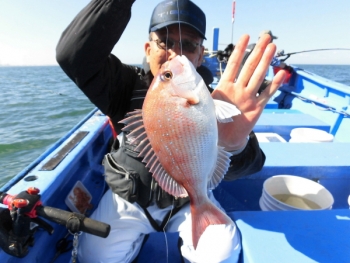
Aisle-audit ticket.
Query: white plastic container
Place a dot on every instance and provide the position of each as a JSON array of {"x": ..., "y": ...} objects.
[
  {"x": 290, "y": 192},
  {"x": 310, "y": 135},
  {"x": 78, "y": 199}
]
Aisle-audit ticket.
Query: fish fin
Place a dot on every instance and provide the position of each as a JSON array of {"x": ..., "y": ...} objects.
[
  {"x": 221, "y": 168},
  {"x": 224, "y": 111},
  {"x": 165, "y": 181},
  {"x": 137, "y": 136},
  {"x": 204, "y": 215},
  {"x": 168, "y": 184},
  {"x": 136, "y": 140},
  {"x": 137, "y": 130},
  {"x": 134, "y": 125},
  {"x": 133, "y": 116},
  {"x": 143, "y": 146}
]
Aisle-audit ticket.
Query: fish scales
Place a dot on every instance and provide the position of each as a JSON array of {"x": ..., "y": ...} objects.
[
  {"x": 180, "y": 134},
  {"x": 180, "y": 120}
]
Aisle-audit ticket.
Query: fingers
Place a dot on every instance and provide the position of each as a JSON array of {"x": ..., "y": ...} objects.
[
  {"x": 264, "y": 96},
  {"x": 276, "y": 83},
  {"x": 256, "y": 66},
  {"x": 260, "y": 72},
  {"x": 235, "y": 59},
  {"x": 254, "y": 70}
]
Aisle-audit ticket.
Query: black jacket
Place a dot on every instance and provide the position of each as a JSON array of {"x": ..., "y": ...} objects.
[{"x": 84, "y": 54}]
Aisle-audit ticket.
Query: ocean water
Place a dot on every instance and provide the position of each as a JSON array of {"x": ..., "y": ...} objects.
[
  {"x": 338, "y": 73},
  {"x": 38, "y": 106},
  {"x": 41, "y": 104}
]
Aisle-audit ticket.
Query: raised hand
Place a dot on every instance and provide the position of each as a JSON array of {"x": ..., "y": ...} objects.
[{"x": 243, "y": 91}]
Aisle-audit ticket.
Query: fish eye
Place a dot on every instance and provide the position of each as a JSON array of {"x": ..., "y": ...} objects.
[{"x": 167, "y": 75}]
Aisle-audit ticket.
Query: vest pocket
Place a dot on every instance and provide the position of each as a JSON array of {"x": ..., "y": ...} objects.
[{"x": 122, "y": 181}]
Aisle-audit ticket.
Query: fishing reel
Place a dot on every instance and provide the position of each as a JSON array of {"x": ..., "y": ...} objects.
[
  {"x": 216, "y": 61},
  {"x": 221, "y": 55},
  {"x": 20, "y": 221},
  {"x": 224, "y": 55}
]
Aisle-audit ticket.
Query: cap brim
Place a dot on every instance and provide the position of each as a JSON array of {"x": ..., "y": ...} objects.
[{"x": 169, "y": 23}]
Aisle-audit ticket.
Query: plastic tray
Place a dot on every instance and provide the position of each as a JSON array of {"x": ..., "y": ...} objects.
[{"x": 78, "y": 199}]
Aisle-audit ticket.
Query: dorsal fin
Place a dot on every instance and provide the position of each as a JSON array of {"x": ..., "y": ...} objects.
[
  {"x": 165, "y": 181},
  {"x": 221, "y": 168},
  {"x": 131, "y": 117},
  {"x": 135, "y": 124},
  {"x": 138, "y": 137},
  {"x": 144, "y": 147}
]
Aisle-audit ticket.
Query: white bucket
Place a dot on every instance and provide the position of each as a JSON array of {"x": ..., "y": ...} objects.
[
  {"x": 310, "y": 135},
  {"x": 290, "y": 192}
]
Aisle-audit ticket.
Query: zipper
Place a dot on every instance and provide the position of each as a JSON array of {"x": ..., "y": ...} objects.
[
  {"x": 124, "y": 172},
  {"x": 127, "y": 174}
]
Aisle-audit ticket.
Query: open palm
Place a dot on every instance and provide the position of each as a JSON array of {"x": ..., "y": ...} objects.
[{"x": 242, "y": 91}]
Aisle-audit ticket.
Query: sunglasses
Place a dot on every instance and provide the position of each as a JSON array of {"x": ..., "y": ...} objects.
[{"x": 168, "y": 43}]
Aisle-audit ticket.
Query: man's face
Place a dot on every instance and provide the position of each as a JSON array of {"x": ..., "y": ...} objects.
[{"x": 164, "y": 46}]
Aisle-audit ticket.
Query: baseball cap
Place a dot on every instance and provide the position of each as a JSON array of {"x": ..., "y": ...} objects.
[
  {"x": 268, "y": 32},
  {"x": 171, "y": 12}
]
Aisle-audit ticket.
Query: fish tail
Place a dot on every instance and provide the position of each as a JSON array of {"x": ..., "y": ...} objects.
[{"x": 204, "y": 215}]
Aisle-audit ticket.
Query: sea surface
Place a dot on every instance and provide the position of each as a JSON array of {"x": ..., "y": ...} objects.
[{"x": 39, "y": 105}]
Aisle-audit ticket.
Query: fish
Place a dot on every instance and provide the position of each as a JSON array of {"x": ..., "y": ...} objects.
[{"x": 176, "y": 133}]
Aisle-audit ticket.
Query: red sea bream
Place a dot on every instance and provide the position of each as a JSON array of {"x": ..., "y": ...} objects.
[{"x": 177, "y": 134}]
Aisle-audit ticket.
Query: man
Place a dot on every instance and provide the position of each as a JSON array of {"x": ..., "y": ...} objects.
[{"x": 135, "y": 206}]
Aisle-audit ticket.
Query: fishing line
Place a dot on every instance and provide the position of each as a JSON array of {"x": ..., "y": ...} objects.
[
  {"x": 178, "y": 19},
  {"x": 166, "y": 41},
  {"x": 167, "y": 37},
  {"x": 167, "y": 32},
  {"x": 165, "y": 237}
]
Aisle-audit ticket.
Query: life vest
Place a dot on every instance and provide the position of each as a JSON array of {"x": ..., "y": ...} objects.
[{"x": 128, "y": 177}]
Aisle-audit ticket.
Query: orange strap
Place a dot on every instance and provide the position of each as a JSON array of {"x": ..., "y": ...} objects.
[{"x": 112, "y": 127}]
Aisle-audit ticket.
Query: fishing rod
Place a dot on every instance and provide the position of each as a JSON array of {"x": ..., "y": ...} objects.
[{"x": 281, "y": 53}]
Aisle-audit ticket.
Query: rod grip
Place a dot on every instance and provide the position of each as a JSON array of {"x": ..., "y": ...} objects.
[{"x": 74, "y": 221}]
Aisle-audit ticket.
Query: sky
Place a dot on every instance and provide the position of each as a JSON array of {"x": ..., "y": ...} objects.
[{"x": 30, "y": 29}]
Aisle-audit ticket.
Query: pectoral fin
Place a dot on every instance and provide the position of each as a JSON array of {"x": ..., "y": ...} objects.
[{"x": 225, "y": 111}]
